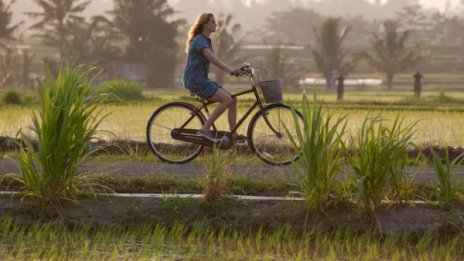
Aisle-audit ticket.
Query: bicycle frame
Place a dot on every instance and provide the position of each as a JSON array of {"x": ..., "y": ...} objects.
[
  {"x": 257, "y": 103},
  {"x": 265, "y": 135}
]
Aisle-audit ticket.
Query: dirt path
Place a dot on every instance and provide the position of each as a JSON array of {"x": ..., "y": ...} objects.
[{"x": 195, "y": 170}]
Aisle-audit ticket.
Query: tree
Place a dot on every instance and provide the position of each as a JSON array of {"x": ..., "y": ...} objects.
[
  {"x": 277, "y": 63},
  {"x": 225, "y": 42},
  {"x": 55, "y": 17},
  {"x": 90, "y": 42},
  {"x": 443, "y": 29},
  {"x": 15, "y": 68},
  {"x": 280, "y": 66},
  {"x": 430, "y": 27},
  {"x": 284, "y": 24},
  {"x": 6, "y": 15},
  {"x": 10, "y": 69},
  {"x": 414, "y": 19},
  {"x": 151, "y": 36},
  {"x": 328, "y": 53},
  {"x": 390, "y": 53}
]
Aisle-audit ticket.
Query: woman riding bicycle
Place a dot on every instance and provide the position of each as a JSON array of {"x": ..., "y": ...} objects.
[{"x": 199, "y": 55}]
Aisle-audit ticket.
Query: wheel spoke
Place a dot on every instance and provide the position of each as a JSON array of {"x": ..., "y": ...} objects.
[
  {"x": 163, "y": 145},
  {"x": 270, "y": 147},
  {"x": 162, "y": 126}
]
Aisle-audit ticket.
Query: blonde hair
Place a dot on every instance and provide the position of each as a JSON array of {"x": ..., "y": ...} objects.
[{"x": 197, "y": 28}]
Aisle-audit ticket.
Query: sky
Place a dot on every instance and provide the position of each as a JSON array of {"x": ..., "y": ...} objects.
[
  {"x": 22, "y": 6},
  {"x": 439, "y": 4}
]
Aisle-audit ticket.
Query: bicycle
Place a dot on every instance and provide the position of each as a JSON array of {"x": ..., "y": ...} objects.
[{"x": 172, "y": 128}]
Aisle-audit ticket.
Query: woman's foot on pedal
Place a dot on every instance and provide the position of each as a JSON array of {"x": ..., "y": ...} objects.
[{"x": 207, "y": 135}]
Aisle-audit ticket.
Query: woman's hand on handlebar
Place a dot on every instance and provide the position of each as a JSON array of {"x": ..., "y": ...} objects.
[{"x": 237, "y": 72}]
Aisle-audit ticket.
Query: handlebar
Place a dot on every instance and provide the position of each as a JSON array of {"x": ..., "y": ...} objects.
[{"x": 246, "y": 68}]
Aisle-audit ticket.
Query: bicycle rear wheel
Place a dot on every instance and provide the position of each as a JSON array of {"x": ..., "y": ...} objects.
[
  {"x": 274, "y": 147},
  {"x": 162, "y": 122}
]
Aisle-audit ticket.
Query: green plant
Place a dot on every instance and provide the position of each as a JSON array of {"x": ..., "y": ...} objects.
[
  {"x": 137, "y": 214},
  {"x": 12, "y": 97},
  {"x": 447, "y": 192},
  {"x": 201, "y": 241},
  {"x": 401, "y": 184},
  {"x": 123, "y": 91},
  {"x": 320, "y": 142},
  {"x": 374, "y": 157},
  {"x": 215, "y": 180},
  {"x": 67, "y": 119},
  {"x": 443, "y": 98},
  {"x": 176, "y": 206}
]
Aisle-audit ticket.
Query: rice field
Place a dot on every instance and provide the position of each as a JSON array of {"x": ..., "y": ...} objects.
[
  {"x": 149, "y": 241},
  {"x": 158, "y": 242},
  {"x": 437, "y": 125}
]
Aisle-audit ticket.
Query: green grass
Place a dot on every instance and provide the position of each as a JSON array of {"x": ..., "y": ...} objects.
[
  {"x": 447, "y": 192},
  {"x": 320, "y": 140},
  {"x": 57, "y": 241},
  {"x": 377, "y": 155},
  {"x": 264, "y": 185},
  {"x": 123, "y": 91},
  {"x": 65, "y": 122},
  {"x": 237, "y": 184},
  {"x": 439, "y": 122}
]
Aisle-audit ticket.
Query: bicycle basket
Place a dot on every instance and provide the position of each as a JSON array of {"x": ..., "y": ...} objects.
[{"x": 271, "y": 91}]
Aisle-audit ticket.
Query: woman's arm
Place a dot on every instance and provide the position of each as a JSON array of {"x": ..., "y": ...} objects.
[{"x": 216, "y": 61}]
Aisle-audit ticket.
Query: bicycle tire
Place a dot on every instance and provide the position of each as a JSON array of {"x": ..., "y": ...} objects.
[
  {"x": 162, "y": 122},
  {"x": 265, "y": 143}
]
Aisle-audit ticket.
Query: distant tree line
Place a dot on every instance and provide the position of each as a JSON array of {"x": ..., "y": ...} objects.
[
  {"x": 145, "y": 32},
  {"x": 392, "y": 45},
  {"x": 138, "y": 31}
]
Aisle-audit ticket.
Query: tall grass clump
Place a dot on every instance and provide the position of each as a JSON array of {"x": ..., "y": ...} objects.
[
  {"x": 447, "y": 191},
  {"x": 67, "y": 119},
  {"x": 214, "y": 184},
  {"x": 123, "y": 91},
  {"x": 320, "y": 142},
  {"x": 400, "y": 183},
  {"x": 376, "y": 155}
]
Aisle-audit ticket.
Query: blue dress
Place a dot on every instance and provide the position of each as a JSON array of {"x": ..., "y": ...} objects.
[{"x": 197, "y": 68}]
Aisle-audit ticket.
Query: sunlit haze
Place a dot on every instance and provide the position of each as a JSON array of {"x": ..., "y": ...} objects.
[{"x": 189, "y": 9}]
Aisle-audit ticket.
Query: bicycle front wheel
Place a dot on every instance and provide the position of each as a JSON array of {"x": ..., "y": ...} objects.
[
  {"x": 268, "y": 134},
  {"x": 160, "y": 125}
]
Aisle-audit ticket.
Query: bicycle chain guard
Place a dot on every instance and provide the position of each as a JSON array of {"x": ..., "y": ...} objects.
[{"x": 190, "y": 135}]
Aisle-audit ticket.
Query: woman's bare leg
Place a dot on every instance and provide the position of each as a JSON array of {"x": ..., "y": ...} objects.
[
  {"x": 225, "y": 101},
  {"x": 232, "y": 112}
]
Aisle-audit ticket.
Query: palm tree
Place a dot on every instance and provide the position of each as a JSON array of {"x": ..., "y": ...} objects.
[
  {"x": 8, "y": 58},
  {"x": 6, "y": 15},
  {"x": 277, "y": 62},
  {"x": 281, "y": 66},
  {"x": 282, "y": 24},
  {"x": 225, "y": 42},
  {"x": 327, "y": 52},
  {"x": 390, "y": 53},
  {"x": 151, "y": 36},
  {"x": 54, "y": 18},
  {"x": 90, "y": 42}
]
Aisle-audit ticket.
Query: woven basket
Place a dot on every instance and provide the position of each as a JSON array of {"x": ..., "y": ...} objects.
[{"x": 271, "y": 91}]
